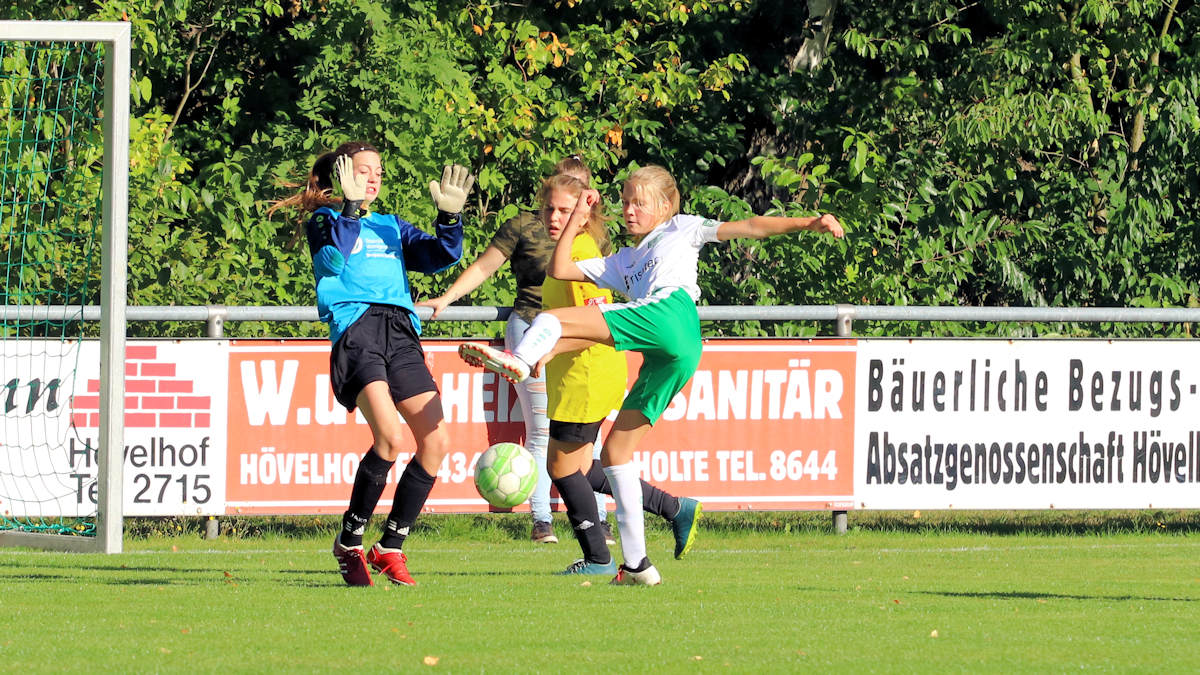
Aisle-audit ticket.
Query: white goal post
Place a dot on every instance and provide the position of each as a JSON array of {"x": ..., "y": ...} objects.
[{"x": 115, "y": 36}]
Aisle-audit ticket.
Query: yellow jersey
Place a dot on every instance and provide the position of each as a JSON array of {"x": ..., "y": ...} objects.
[{"x": 583, "y": 386}]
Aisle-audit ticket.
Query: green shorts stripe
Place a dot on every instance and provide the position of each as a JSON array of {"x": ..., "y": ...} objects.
[{"x": 665, "y": 328}]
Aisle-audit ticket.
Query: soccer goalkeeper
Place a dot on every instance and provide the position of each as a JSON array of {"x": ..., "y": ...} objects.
[{"x": 361, "y": 261}]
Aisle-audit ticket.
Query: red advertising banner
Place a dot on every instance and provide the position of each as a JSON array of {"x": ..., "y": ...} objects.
[{"x": 764, "y": 424}]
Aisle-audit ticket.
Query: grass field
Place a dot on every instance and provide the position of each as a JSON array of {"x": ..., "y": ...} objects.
[{"x": 772, "y": 593}]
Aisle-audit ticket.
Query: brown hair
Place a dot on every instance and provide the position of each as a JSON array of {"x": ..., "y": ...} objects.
[
  {"x": 574, "y": 166},
  {"x": 597, "y": 225},
  {"x": 318, "y": 191},
  {"x": 657, "y": 184}
]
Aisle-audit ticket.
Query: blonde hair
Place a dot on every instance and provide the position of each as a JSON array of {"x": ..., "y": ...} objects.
[
  {"x": 656, "y": 184},
  {"x": 597, "y": 225}
]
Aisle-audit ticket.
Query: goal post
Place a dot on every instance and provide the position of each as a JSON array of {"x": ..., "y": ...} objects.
[{"x": 115, "y": 38}]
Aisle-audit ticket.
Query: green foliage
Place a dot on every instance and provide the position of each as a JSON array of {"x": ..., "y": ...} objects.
[
  {"x": 993, "y": 159},
  {"x": 51, "y": 97},
  {"x": 995, "y": 153}
]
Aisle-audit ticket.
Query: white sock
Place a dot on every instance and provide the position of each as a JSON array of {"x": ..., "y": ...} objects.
[
  {"x": 627, "y": 492},
  {"x": 539, "y": 339}
]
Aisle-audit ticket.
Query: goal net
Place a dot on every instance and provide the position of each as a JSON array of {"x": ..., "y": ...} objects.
[{"x": 64, "y": 90}]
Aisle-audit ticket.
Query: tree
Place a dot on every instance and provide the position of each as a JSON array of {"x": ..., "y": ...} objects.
[{"x": 985, "y": 153}]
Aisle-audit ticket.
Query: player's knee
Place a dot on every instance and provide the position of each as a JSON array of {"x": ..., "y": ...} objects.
[
  {"x": 434, "y": 446},
  {"x": 388, "y": 446}
]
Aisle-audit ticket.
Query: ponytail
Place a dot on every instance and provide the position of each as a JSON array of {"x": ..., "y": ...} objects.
[{"x": 318, "y": 191}]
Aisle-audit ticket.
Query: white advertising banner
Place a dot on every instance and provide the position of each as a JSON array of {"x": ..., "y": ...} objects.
[
  {"x": 1027, "y": 424},
  {"x": 175, "y": 410},
  {"x": 37, "y": 475}
]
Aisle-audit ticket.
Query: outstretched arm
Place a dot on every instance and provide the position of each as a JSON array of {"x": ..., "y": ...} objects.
[
  {"x": 480, "y": 271},
  {"x": 433, "y": 253},
  {"x": 761, "y": 227},
  {"x": 561, "y": 266}
]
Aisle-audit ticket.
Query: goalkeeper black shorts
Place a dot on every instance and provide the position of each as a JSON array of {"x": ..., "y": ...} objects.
[{"x": 381, "y": 345}]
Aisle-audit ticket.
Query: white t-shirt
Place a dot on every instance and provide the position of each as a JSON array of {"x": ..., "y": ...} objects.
[{"x": 666, "y": 258}]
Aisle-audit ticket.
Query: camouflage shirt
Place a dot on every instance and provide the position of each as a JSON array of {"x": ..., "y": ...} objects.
[{"x": 528, "y": 246}]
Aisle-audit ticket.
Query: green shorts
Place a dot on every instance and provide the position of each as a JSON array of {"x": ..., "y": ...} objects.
[{"x": 666, "y": 330}]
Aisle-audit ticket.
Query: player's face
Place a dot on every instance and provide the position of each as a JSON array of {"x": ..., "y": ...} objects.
[
  {"x": 558, "y": 211},
  {"x": 641, "y": 210},
  {"x": 367, "y": 163}
]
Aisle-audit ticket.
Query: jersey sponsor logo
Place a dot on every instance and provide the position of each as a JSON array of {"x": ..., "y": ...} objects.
[
  {"x": 378, "y": 248},
  {"x": 631, "y": 279}
]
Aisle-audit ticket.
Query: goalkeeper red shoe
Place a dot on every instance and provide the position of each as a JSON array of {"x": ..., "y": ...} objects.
[
  {"x": 393, "y": 564},
  {"x": 352, "y": 564}
]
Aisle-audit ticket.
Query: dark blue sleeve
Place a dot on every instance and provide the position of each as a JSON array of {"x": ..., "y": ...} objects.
[
  {"x": 429, "y": 253},
  {"x": 327, "y": 228}
]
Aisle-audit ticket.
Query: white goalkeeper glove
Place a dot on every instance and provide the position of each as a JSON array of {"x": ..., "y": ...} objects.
[
  {"x": 354, "y": 186},
  {"x": 451, "y": 193}
]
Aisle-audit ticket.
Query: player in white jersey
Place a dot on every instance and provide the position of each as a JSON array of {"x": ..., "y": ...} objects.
[{"x": 658, "y": 275}]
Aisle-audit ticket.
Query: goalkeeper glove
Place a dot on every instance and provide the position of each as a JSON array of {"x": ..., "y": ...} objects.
[
  {"x": 354, "y": 186},
  {"x": 451, "y": 193}
]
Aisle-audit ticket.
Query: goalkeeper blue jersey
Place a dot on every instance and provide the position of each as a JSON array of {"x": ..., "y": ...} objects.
[{"x": 365, "y": 261}]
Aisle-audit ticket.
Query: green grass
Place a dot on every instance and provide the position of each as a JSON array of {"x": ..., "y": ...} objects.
[{"x": 762, "y": 593}]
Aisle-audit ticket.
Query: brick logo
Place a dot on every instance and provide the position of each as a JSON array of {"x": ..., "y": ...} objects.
[{"x": 154, "y": 397}]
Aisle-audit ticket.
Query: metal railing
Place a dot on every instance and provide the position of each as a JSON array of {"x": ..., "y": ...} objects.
[
  {"x": 843, "y": 316},
  {"x": 215, "y": 316}
]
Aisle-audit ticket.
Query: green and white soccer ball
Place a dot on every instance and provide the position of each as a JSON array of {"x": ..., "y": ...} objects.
[{"x": 505, "y": 475}]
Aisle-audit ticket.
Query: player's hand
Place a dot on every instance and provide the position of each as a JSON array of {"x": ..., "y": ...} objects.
[
  {"x": 829, "y": 223},
  {"x": 582, "y": 211},
  {"x": 354, "y": 186},
  {"x": 589, "y": 197},
  {"x": 451, "y": 193},
  {"x": 438, "y": 304},
  {"x": 536, "y": 370}
]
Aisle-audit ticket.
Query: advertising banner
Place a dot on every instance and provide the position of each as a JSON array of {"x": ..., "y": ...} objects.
[
  {"x": 1027, "y": 424},
  {"x": 174, "y": 409},
  {"x": 294, "y": 449},
  {"x": 763, "y": 424},
  {"x": 251, "y": 426},
  {"x": 759, "y": 426}
]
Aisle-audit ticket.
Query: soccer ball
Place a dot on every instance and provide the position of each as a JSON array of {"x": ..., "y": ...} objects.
[{"x": 505, "y": 475}]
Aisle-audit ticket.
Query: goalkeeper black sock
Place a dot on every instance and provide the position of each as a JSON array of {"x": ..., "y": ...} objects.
[
  {"x": 654, "y": 499},
  {"x": 577, "y": 496},
  {"x": 411, "y": 493},
  {"x": 369, "y": 482}
]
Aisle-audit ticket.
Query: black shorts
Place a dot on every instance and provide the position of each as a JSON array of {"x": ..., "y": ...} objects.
[
  {"x": 381, "y": 345},
  {"x": 575, "y": 432}
]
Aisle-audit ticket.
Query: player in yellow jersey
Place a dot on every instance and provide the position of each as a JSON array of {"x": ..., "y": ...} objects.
[
  {"x": 524, "y": 243},
  {"x": 583, "y": 387}
]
